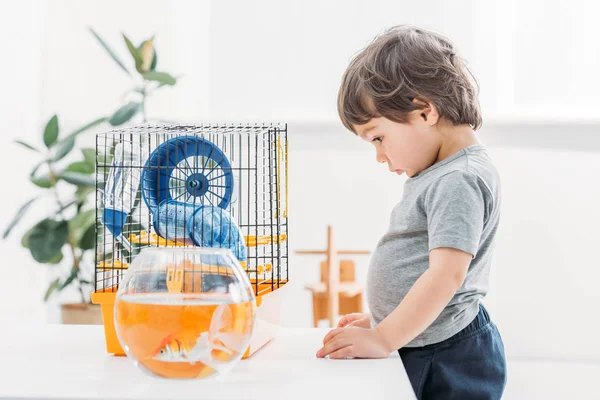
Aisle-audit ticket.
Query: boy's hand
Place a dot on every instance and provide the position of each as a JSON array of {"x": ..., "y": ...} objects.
[
  {"x": 354, "y": 342},
  {"x": 355, "y": 319}
]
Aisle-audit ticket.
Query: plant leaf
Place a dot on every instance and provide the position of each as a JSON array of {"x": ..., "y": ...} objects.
[
  {"x": 88, "y": 126},
  {"x": 137, "y": 57},
  {"x": 88, "y": 239},
  {"x": 81, "y": 167},
  {"x": 51, "y": 289},
  {"x": 146, "y": 51},
  {"x": 80, "y": 224},
  {"x": 51, "y": 132},
  {"x": 109, "y": 51},
  {"x": 25, "y": 238},
  {"x": 125, "y": 113},
  {"x": 154, "y": 61},
  {"x": 70, "y": 279},
  {"x": 43, "y": 181},
  {"x": 162, "y": 77},
  {"x": 65, "y": 206},
  {"x": 105, "y": 159},
  {"x": 78, "y": 179},
  {"x": 35, "y": 169},
  {"x": 18, "y": 217},
  {"x": 57, "y": 259},
  {"x": 63, "y": 148},
  {"x": 89, "y": 154},
  {"x": 30, "y": 147},
  {"x": 82, "y": 193},
  {"x": 47, "y": 239},
  {"x": 83, "y": 219}
]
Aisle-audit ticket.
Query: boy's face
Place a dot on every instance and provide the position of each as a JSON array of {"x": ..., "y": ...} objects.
[{"x": 406, "y": 147}]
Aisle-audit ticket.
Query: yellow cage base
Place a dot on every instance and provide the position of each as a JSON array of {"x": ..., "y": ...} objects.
[{"x": 268, "y": 313}]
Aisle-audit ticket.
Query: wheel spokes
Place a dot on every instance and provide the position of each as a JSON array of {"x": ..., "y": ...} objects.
[
  {"x": 179, "y": 195},
  {"x": 182, "y": 171},
  {"x": 216, "y": 194},
  {"x": 217, "y": 177}
]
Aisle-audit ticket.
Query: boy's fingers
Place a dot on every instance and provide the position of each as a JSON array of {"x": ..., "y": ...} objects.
[
  {"x": 342, "y": 353},
  {"x": 332, "y": 346},
  {"x": 349, "y": 319},
  {"x": 345, "y": 321},
  {"x": 331, "y": 334}
]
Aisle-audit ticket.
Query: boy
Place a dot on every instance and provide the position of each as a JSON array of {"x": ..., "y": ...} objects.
[{"x": 413, "y": 98}]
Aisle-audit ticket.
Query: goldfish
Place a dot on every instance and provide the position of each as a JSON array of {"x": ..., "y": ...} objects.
[
  {"x": 179, "y": 348},
  {"x": 212, "y": 347}
]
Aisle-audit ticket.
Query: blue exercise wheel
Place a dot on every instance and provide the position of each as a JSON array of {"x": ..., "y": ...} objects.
[{"x": 187, "y": 169}]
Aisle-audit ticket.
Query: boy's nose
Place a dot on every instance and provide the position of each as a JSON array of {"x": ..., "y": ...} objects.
[{"x": 381, "y": 158}]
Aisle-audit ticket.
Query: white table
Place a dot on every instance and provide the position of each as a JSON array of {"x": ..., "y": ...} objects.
[{"x": 60, "y": 361}]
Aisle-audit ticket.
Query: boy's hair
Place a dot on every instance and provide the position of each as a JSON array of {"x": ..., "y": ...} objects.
[{"x": 400, "y": 65}]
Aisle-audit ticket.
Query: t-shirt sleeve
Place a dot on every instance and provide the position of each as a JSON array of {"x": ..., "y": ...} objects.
[{"x": 455, "y": 206}]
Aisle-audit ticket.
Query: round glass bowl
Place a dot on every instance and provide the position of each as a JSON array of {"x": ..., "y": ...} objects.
[{"x": 185, "y": 312}]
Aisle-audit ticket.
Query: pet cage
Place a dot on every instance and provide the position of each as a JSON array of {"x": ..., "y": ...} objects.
[{"x": 184, "y": 186}]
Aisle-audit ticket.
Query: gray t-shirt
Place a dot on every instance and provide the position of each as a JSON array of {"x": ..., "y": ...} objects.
[{"x": 453, "y": 203}]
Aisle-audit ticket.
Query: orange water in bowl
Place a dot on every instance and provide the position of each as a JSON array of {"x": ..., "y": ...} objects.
[{"x": 184, "y": 335}]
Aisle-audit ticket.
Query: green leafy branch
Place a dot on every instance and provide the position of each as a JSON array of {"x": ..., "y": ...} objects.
[{"x": 146, "y": 82}]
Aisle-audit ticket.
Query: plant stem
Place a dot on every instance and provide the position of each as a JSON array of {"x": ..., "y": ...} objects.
[
  {"x": 81, "y": 291},
  {"x": 53, "y": 181}
]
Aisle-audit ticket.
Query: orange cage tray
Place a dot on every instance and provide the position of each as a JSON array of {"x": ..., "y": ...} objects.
[{"x": 268, "y": 313}]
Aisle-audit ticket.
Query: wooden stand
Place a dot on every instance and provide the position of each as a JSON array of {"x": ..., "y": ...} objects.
[{"x": 338, "y": 292}]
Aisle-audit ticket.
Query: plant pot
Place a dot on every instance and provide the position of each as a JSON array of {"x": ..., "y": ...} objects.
[{"x": 81, "y": 314}]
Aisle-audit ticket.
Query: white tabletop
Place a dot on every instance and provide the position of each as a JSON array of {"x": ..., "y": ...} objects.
[{"x": 67, "y": 361}]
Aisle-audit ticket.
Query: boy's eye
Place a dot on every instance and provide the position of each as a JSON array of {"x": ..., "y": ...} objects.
[{"x": 377, "y": 139}]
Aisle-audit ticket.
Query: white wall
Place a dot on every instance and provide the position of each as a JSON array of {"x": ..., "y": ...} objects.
[
  {"x": 23, "y": 281},
  {"x": 273, "y": 59},
  {"x": 544, "y": 288}
]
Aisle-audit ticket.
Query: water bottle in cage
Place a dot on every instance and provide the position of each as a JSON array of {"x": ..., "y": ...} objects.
[{"x": 121, "y": 188}]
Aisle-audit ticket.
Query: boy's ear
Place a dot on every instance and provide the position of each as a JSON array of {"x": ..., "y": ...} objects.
[{"x": 427, "y": 112}]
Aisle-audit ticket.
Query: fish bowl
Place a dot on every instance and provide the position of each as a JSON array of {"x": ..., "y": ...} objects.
[{"x": 185, "y": 313}]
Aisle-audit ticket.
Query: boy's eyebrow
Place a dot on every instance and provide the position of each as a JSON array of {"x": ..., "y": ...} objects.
[{"x": 367, "y": 130}]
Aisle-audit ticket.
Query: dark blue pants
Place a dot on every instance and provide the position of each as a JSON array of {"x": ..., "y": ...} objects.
[{"x": 469, "y": 365}]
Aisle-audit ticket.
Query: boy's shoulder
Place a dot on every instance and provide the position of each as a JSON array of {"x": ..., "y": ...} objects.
[
  {"x": 467, "y": 183},
  {"x": 471, "y": 167}
]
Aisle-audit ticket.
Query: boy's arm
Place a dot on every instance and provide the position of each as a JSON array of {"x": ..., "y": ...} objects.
[
  {"x": 423, "y": 303},
  {"x": 427, "y": 298}
]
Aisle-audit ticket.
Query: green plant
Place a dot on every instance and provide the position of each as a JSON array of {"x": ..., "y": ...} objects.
[
  {"x": 145, "y": 82},
  {"x": 71, "y": 225}
]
